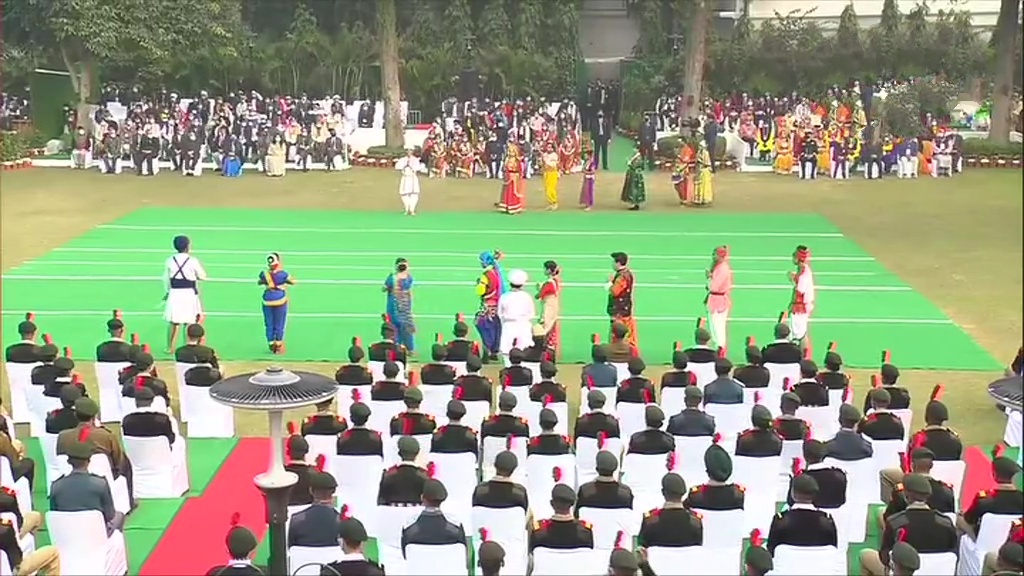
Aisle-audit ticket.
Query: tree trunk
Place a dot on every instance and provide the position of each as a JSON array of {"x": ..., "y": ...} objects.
[
  {"x": 1002, "y": 96},
  {"x": 80, "y": 66},
  {"x": 693, "y": 66},
  {"x": 394, "y": 124}
]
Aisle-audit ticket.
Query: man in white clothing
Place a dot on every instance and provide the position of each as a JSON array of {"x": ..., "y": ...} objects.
[
  {"x": 181, "y": 276},
  {"x": 517, "y": 311},
  {"x": 802, "y": 304},
  {"x": 409, "y": 187}
]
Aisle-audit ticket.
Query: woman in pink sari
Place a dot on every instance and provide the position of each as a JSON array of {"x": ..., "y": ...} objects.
[{"x": 513, "y": 196}]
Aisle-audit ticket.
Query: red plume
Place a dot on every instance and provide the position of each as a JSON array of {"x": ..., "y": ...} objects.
[
  {"x": 602, "y": 438},
  {"x": 47, "y": 339},
  {"x": 458, "y": 393},
  {"x": 135, "y": 339},
  {"x": 67, "y": 352},
  {"x": 546, "y": 400},
  {"x": 848, "y": 395},
  {"x": 798, "y": 466},
  {"x": 693, "y": 379},
  {"x": 476, "y": 349},
  {"x": 508, "y": 380},
  {"x": 391, "y": 355},
  {"x": 787, "y": 385},
  {"x": 998, "y": 450},
  {"x": 431, "y": 469},
  {"x": 508, "y": 441},
  {"x": 385, "y": 318},
  {"x": 901, "y": 535},
  {"x": 648, "y": 396},
  {"x": 721, "y": 352},
  {"x": 140, "y": 382},
  {"x": 755, "y": 538},
  {"x": 200, "y": 318},
  {"x": 117, "y": 314},
  {"x": 290, "y": 427},
  {"x": 357, "y": 396},
  {"x": 677, "y": 346},
  {"x": 556, "y": 473},
  {"x": 808, "y": 352},
  {"x": 783, "y": 316},
  {"x": 459, "y": 317},
  {"x": 905, "y": 460},
  {"x": 831, "y": 346},
  {"x": 439, "y": 338},
  {"x": 321, "y": 460},
  {"x": 412, "y": 379},
  {"x": 83, "y": 433},
  {"x": 484, "y": 534},
  {"x": 145, "y": 348},
  {"x": 757, "y": 397},
  {"x": 750, "y": 342},
  {"x": 407, "y": 425},
  {"x": 876, "y": 382},
  {"x": 717, "y": 438},
  {"x": 344, "y": 512},
  {"x": 937, "y": 392},
  {"x": 595, "y": 339},
  {"x": 886, "y": 356},
  {"x": 590, "y": 382},
  {"x": 620, "y": 538},
  {"x": 701, "y": 323},
  {"x": 76, "y": 378},
  {"x": 236, "y": 517},
  {"x": 670, "y": 462},
  {"x": 30, "y": 316},
  {"x": 357, "y": 341}
]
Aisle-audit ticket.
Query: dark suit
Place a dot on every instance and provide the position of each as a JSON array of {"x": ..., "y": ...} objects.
[
  {"x": 314, "y": 527},
  {"x": 603, "y": 375},
  {"x": 783, "y": 352},
  {"x": 723, "y": 390},
  {"x": 23, "y": 353},
  {"x": 433, "y": 528},
  {"x": 601, "y": 132},
  {"x": 114, "y": 350},
  {"x": 692, "y": 422},
  {"x": 848, "y": 445},
  {"x": 148, "y": 423}
]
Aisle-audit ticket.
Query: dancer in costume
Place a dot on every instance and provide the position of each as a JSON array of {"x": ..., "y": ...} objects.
[
  {"x": 719, "y": 298},
  {"x": 683, "y": 175},
  {"x": 409, "y": 187},
  {"x": 550, "y": 296},
  {"x": 549, "y": 160},
  {"x": 620, "y": 296},
  {"x": 589, "y": 179},
  {"x": 512, "y": 196},
  {"x": 517, "y": 312},
  {"x": 784, "y": 152},
  {"x": 802, "y": 304},
  {"x": 398, "y": 286},
  {"x": 181, "y": 290},
  {"x": 489, "y": 288},
  {"x": 634, "y": 190},
  {"x": 275, "y": 301},
  {"x": 703, "y": 190}
]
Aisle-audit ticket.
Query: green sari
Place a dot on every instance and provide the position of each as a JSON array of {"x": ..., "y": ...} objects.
[{"x": 634, "y": 190}]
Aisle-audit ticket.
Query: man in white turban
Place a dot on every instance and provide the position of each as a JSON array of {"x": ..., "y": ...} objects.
[{"x": 517, "y": 311}]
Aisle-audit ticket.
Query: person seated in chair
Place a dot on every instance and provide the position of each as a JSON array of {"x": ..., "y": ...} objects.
[
  {"x": 474, "y": 386},
  {"x": 460, "y": 348},
  {"x": 692, "y": 421},
  {"x": 678, "y": 376},
  {"x": 145, "y": 377},
  {"x": 782, "y": 350},
  {"x": 432, "y": 527},
  {"x": 316, "y": 526},
  {"x": 63, "y": 418},
  {"x": 14, "y": 451},
  {"x": 413, "y": 421},
  {"x": 802, "y": 524},
  {"x": 760, "y": 441},
  {"x": 605, "y": 491},
  {"x": 637, "y": 389},
  {"x": 354, "y": 373},
  {"x": 702, "y": 352},
  {"x": 116, "y": 348},
  {"x": 1004, "y": 498},
  {"x": 899, "y": 397},
  {"x": 848, "y": 444},
  {"x": 548, "y": 390},
  {"x": 563, "y": 531},
  {"x": 810, "y": 390},
  {"x": 723, "y": 389},
  {"x": 195, "y": 351},
  {"x": 596, "y": 422},
  {"x": 390, "y": 388},
  {"x": 402, "y": 484},
  {"x": 832, "y": 481},
  {"x": 455, "y": 437},
  {"x": 505, "y": 423},
  {"x": 437, "y": 373},
  {"x": 599, "y": 373},
  {"x": 718, "y": 493},
  {"x": 79, "y": 490},
  {"x": 360, "y": 440},
  {"x": 672, "y": 525},
  {"x": 652, "y": 440},
  {"x": 501, "y": 491},
  {"x": 146, "y": 421},
  {"x": 549, "y": 442},
  {"x": 515, "y": 375},
  {"x": 42, "y": 560},
  {"x": 833, "y": 376},
  {"x": 387, "y": 349},
  {"x": 942, "y": 440},
  {"x": 352, "y": 537},
  {"x": 753, "y": 374},
  {"x": 101, "y": 439},
  {"x": 538, "y": 351},
  {"x": 325, "y": 422},
  {"x": 242, "y": 546},
  {"x": 63, "y": 374},
  {"x": 880, "y": 423},
  {"x": 788, "y": 425},
  {"x": 942, "y": 499},
  {"x": 296, "y": 448},
  {"x": 619, "y": 350},
  {"x": 46, "y": 372}
]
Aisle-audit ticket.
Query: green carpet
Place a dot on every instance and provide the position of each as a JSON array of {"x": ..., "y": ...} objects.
[{"x": 340, "y": 260}]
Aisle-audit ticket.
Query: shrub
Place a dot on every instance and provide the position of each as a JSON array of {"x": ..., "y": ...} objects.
[
  {"x": 983, "y": 147},
  {"x": 12, "y": 147},
  {"x": 384, "y": 152}
]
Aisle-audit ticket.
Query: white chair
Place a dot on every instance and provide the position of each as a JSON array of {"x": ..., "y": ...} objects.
[
  {"x": 759, "y": 495},
  {"x": 84, "y": 547},
  {"x": 672, "y": 400},
  {"x": 586, "y": 456},
  {"x": 377, "y": 370},
  {"x": 571, "y": 562},
  {"x": 621, "y": 371},
  {"x": 347, "y": 395},
  {"x": 155, "y": 474},
  {"x": 643, "y": 474},
  {"x": 730, "y": 420},
  {"x": 823, "y": 420},
  {"x": 99, "y": 465},
  {"x": 381, "y": 413},
  {"x": 321, "y": 444},
  {"x": 690, "y": 458},
  {"x": 391, "y": 449},
  {"x": 307, "y": 560},
  {"x": 110, "y": 389},
  {"x": 886, "y": 454},
  {"x": 459, "y": 367},
  {"x": 5, "y": 565},
  {"x": 435, "y": 401},
  {"x": 704, "y": 372},
  {"x": 631, "y": 418},
  {"x": 506, "y": 526},
  {"x": 534, "y": 368},
  {"x": 476, "y": 412},
  {"x": 561, "y": 409},
  {"x": 522, "y": 394},
  {"x": 1014, "y": 429},
  {"x": 691, "y": 561},
  {"x": 938, "y": 564},
  {"x": 608, "y": 523},
  {"x": 437, "y": 560},
  {"x": 22, "y": 489},
  {"x": 862, "y": 489},
  {"x": 951, "y": 472},
  {"x": 458, "y": 473},
  {"x": 19, "y": 378},
  {"x": 56, "y": 466},
  {"x": 991, "y": 535},
  {"x": 836, "y": 397},
  {"x": 779, "y": 373},
  {"x": 723, "y": 532},
  {"x": 26, "y": 543},
  {"x": 39, "y": 406},
  {"x": 491, "y": 446},
  {"x": 906, "y": 416},
  {"x": 808, "y": 561},
  {"x": 206, "y": 418},
  {"x": 391, "y": 520},
  {"x": 358, "y": 485},
  {"x": 180, "y": 368},
  {"x": 790, "y": 449},
  {"x": 540, "y": 480}
]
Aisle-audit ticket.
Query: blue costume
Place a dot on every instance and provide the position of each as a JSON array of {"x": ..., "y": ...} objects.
[
  {"x": 489, "y": 288},
  {"x": 399, "y": 305},
  {"x": 275, "y": 301}
]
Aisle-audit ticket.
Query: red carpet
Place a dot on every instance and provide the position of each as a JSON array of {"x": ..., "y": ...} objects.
[
  {"x": 978, "y": 476},
  {"x": 194, "y": 542}
]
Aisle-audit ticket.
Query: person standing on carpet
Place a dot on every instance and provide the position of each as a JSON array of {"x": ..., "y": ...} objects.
[
  {"x": 489, "y": 288},
  {"x": 549, "y": 160},
  {"x": 275, "y": 301},
  {"x": 550, "y": 296},
  {"x": 181, "y": 289},
  {"x": 802, "y": 304},
  {"x": 398, "y": 286},
  {"x": 718, "y": 300},
  {"x": 620, "y": 297},
  {"x": 589, "y": 178},
  {"x": 634, "y": 190}
]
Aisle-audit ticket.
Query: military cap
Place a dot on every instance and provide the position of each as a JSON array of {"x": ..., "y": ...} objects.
[
  {"x": 48, "y": 352},
  {"x": 491, "y": 553},
  {"x": 673, "y": 484},
  {"x": 408, "y": 446},
  {"x": 414, "y": 394},
  {"x": 455, "y": 409},
  {"x": 114, "y": 324},
  {"x": 563, "y": 493},
  {"x": 65, "y": 364},
  {"x": 936, "y": 411},
  {"x": 69, "y": 393},
  {"x": 922, "y": 454},
  {"x": 680, "y": 359},
  {"x": 195, "y": 331},
  {"x": 143, "y": 360},
  {"x": 693, "y": 392},
  {"x": 805, "y": 484},
  {"x": 322, "y": 481},
  {"x": 1004, "y": 467},
  {"x": 79, "y": 450},
  {"x": 241, "y": 541},
  {"x": 506, "y": 461},
  {"x": 652, "y": 414},
  {"x": 473, "y": 363},
  {"x": 759, "y": 559},
  {"x": 808, "y": 366},
  {"x": 889, "y": 373},
  {"x": 434, "y": 491},
  {"x": 507, "y": 401},
  {"x": 351, "y": 530},
  {"x": 849, "y": 413},
  {"x": 27, "y": 327},
  {"x": 918, "y": 484},
  {"x": 833, "y": 361},
  {"x": 297, "y": 445},
  {"x": 701, "y": 335},
  {"x": 86, "y": 407},
  {"x": 547, "y": 417},
  {"x": 793, "y": 398},
  {"x": 717, "y": 463},
  {"x": 359, "y": 411},
  {"x": 605, "y": 463},
  {"x": 625, "y": 560},
  {"x": 1011, "y": 554},
  {"x": 144, "y": 393},
  {"x": 760, "y": 416},
  {"x": 596, "y": 398},
  {"x": 904, "y": 556},
  {"x": 881, "y": 396},
  {"x": 515, "y": 355},
  {"x": 636, "y": 365}
]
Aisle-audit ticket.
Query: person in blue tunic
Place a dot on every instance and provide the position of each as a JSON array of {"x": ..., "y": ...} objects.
[
  {"x": 398, "y": 286},
  {"x": 275, "y": 280}
]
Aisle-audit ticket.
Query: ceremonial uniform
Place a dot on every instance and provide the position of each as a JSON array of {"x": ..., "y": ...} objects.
[
  {"x": 275, "y": 301},
  {"x": 387, "y": 391},
  {"x": 599, "y": 375},
  {"x": 183, "y": 273},
  {"x": 781, "y": 352},
  {"x": 360, "y": 442},
  {"x": 942, "y": 498},
  {"x": 236, "y": 568},
  {"x": 802, "y": 525},
  {"x": 547, "y": 391},
  {"x": 61, "y": 419},
  {"x": 651, "y": 442},
  {"x": 412, "y": 424},
  {"x": 636, "y": 390},
  {"x": 837, "y": 381},
  {"x": 942, "y": 441},
  {"x": 434, "y": 374},
  {"x": 802, "y": 305},
  {"x": 549, "y": 445},
  {"x": 723, "y": 390},
  {"x": 515, "y": 375},
  {"x": 454, "y": 439},
  {"x": 501, "y": 494},
  {"x": 849, "y": 446},
  {"x": 24, "y": 352},
  {"x": 314, "y": 527},
  {"x": 46, "y": 375},
  {"x": 677, "y": 379},
  {"x": 718, "y": 299},
  {"x": 882, "y": 426},
  {"x": 195, "y": 353},
  {"x": 78, "y": 491},
  {"x": 691, "y": 422},
  {"x": 809, "y": 159},
  {"x": 402, "y": 485},
  {"x": 489, "y": 288},
  {"x": 715, "y": 496},
  {"x": 752, "y": 376},
  {"x": 604, "y": 494},
  {"x": 148, "y": 423},
  {"x": 324, "y": 424},
  {"x": 504, "y": 425},
  {"x": 102, "y": 441},
  {"x": 458, "y": 350},
  {"x": 620, "y": 302},
  {"x": 791, "y": 428},
  {"x": 561, "y": 534},
  {"x": 811, "y": 393},
  {"x": 473, "y": 388},
  {"x": 433, "y": 528},
  {"x": 387, "y": 351},
  {"x": 927, "y": 530},
  {"x": 593, "y": 424},
  {"x": 353, "y": 375},
  {"x": 999, "y": 500},
  {"x": 114, "y": 350},
  {"x": 899, "y": 398},
  {"x": 300, "y": 493},
  {"x": 671, "y": 528},
  {"x": 701, "y": 355},
  {"x": 832, "y": 484},
  {"x": 202, "y": 376},
  {"x": 758, "y": 443}
]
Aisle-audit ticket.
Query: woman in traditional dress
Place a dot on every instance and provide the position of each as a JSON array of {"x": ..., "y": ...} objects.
[
  {"x": 824, "y": 151},
  {"x": 276, "y": 156},
  {"x": 275, "y": 279},
  {"x": 549, "y": 162},
  {"x": 703, "y": 192},
  {"x": 784, "y": 152},
  {"x": 589, "y": 179},
  {"x": 489, "y": 288},
  {"x": 550, "y": 296},
  {"x": 683, "y": 175},
  {"x": 183, "y": 273},
  {"x": 398, "y": 286},
  {"x": 512, "y": 197},
  {"x": 634, "y": 190},
  {"x": 409, "y": 186}
]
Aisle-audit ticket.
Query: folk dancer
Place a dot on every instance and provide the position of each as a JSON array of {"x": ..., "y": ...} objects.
[
  {"x": 808, "y": 158},
  {"x": 549, "y": 161},
  {"x": 683, "y": 175},
  {"x": 512, "y": 194},
  {"x": 634, "y": 190},
  {"x": 81, "y": 154},
  {"x": 840, "y": 159},
  {"x": 589, "y": 179},
  {"x": 906, "y": 163},
  {"x": 409, "y": 187},
  {"x": 802, "y": 304},
  {"x": 719, "y": 300},
  {"x": 703, "y": 190},
  {"x": 620, "y": 297},
  {"x": 181, "y": 294},
  {"x": 824, "y": 141},
  {"x": 517, "y": 311},
  {"x": 567, "y": 154},
  {"x": 784, "y": 152},
  {"x": 550, "y": 296},
  {"x": 489, "y": 288},
  {"x": 398, "y": 286},
  {"x": 275, "y": 301}
]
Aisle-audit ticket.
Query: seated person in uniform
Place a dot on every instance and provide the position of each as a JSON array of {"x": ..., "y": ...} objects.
[
  {"x": 718, "y": 493},
  {"x": 437, "y": 372},
  {"x": 474, "y": 386},
  {"x": 46, "y": 372},
  {"x": 14, "y": 451},
  {"x": 63, "y": 418},
  {"x": 702, "y": 352},
  {"x": 808, "y": 388},
  {"x": 146, "y": 421},
  {"x": 505, "y": 423},
  {"x": 899, "y": 397},
  {"x": 637, "y": 389},
  {"x": 390, "y": 388},
  {"x": 833, "y": 376},
  {"x": 880, "y": 423},
  {"x": 832, "y": 481},
  {"x": 599, "y": 373},
  {"x": 45, "y": 560},
  {"x": 459, "y": 349},
  {"x": 757, "y": 561},
  {"x": 782, "y": 350},
  {"x": 515, "y": 374},
  {"x": 936, "y": 436},
  {"x": 455, "y": 437},
  {"x": 25, "y": 351},
  {"x": 596, "y": 421},
  {"x": 360, "y": 440},
  {"x": 352, "y": 536},
  {"x": 79, "y": 490},
  {"x": 63, "y": 374},
  {"x": 324, "y": 422},
  {"x": 753, "y": 374},
  {"x": 788, "y": 425},
  {"x": 387, "y": 350},
  {"x": 501, "y": 491},
  {"x": 432, "y": 527},
  {"x": 145, "y": 376},
  {"x": 802, "y": 524},
  {"x": 402, "y": 484},
  {"x": 672, "y": 525},
  {"x": 604, "y": 491},
  {"x": 1007, "y": 561},
  {"x": 242, "y": 546},
  {"x": 318, "y": 525},
  {"x": 942, "y": 498},
  {"x": 848, "y": 444},
  {"x": 413, "y": 421},
  {"x": 678, "y": 376},
  {"x": 619, "y": 350},
  {"x": 101, "y": 439},
  {"x": 538, "y": 350},
  {"x": 202, "y": 376},
  {"x": 562, "y": 531},
  {"x": 652, "y": 440},
  {"x": 296, "y": 448},
  {"x": 490, "y": 558},
  {"x": 548, "y": 390},
  {"x": 760, "y": 441},
  {"x": 548, "y": 442},
  {"x": 1005, "y": 498},
  {"x": 723, "y": 389},
  {"x": 354, "y": 373},
  {"x": 692, "y": 421},
  {"x": 195, "y": 351}
]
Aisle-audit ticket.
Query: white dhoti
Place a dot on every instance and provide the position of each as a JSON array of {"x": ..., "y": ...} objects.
[
  {"x": 799, "y": 323},
  {"x": 719, "y": 323},
  {"x": 409, "y": 190},
  {"x": 183, "y": 306},
  {"x": 515, "y": 334}
]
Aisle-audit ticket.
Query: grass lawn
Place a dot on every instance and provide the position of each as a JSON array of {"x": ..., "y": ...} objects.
[{"x": 958, "y": 243}]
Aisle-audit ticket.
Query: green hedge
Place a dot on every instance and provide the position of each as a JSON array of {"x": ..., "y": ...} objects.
[
  {"x": 13, "y": 147},
  {"x": 667, "y": 148},
  {"x": 389, "y": 153},
  {"x": 983, "y": 147}
]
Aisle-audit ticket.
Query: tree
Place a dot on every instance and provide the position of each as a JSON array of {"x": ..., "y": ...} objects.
[
  {"x": 1007, "y": 35},
  {"x": 493, "y": 27},
  {"x": 848, "y": 53},
  {"x": 394, "y": 124},
  {"x": 527, "y": 26},
  {"x": 696, "y": 56},
  {"x": 884, "y": 39}
]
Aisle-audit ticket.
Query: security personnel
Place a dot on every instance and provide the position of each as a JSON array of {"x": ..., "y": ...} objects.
[
  {"x": 723, "y": 389},
  {"x": 501, "y": 491},
  {"x": 116, "y": 349},
  {"x": 195, "y": 351},
  {"x": 63, "y": 375},
  {"x": 604, "y": 491},
  {"x": 473, "y": 386},
  {"x": 296, "y": 448},
  {"x": 599, "y": 373},
  {"x": 562, "y": 531},
  {"x": 455, "y": 437},
  {"x": 653, "y": 440},
  {"x": 44, "y": 560},
  {"x": 718, "y": 493},
  {"x": 25, "y": 351},
  {"x": 46, "y": 373},
  {"x": 549, "y": 442},
  {"x": 402, "y": 484},
  {"x": 927, "y": 530},
  {"x": 360, "y": 440},
  {"x": 802, "y": 524},
  {"x": 390, "y": 388},
  {"x": 64, "y": 418},
  {"x": 636, "y": 389},
  {"x": 101, "y": 439},
  {"x": 881, "y": 424},
  {"x": 354, "y": 373},
  {"x": 431, "y": 527},
  {"x": 515, "y": 374},
  {"x": 848, "y": 444},
  {"x": 788, "y": 425},
  {"x": 242, "y": 544},
  {"x": 324, "y": 422},
  {"x": 899, "y": 396},
  {"x": 387, "y": 350},
  {"x": 490, "y": 558},
  {"x": 757, "y": 561},
  {"x": 942, "y": 498},
  {"x": 21, "y": 466},
  {"x": 782, "y": 350},
  {"x": 145, "y": 421},
  {"x": 833, "y": 376},
  {"x": 596, "y": 422},
  {"x": 672, "y": 525},
  {"x": 753, "y": 374},
  {"x": 692, "y": 421},
  {"x": 678, "y": 376},
  {"x": 79, "y": 490},
  {"x": 505, "y": 423},
  {"x": 936, "y": 436},
  {"x": 760, "y": 441},
  {"x": 702, "y": 353},
  {"x": 145, "y": 375},
  {"x": 352, "y": 536},
  {"x": 459, "y": 349},
  {"x": 317, "y": 525},
  {"x": 413, "y": 422},
  {"x": 832, "y": 481},
  {"x": 809, "y": 389},
  {"x": 547, "y": 390},
  {"x": 202, "y": 376},
  {"x": 437, "y": 372},
  {"x": 1005, "y": 498}
]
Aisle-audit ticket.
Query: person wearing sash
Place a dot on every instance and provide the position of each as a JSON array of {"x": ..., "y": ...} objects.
[
  {"x": 634, "y": 190},
  {"x": 275, "y": 280},
  {"x": 620, "y": 297},
  {"x": 183, "y": 272},
  {"x": 550, "y": 296},
  {"x": 489, "y": 288},
  {"x": 718, "y": 300},
  {"x": 589, "y": 179}
]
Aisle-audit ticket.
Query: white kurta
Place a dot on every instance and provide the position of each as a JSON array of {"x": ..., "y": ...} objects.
[
  {"x": 517, "y": 311},
  {"x": 410, "y": 167},
  {"x": 799, "y": 322},
  {"x": 183, "y": 305}
]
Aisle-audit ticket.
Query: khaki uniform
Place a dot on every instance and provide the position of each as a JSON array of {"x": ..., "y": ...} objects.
[{"x": 103, "y": 440}]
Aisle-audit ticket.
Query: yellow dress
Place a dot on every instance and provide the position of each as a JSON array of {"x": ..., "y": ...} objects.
[
  {"x": 703, "y": 193},
  {"x": 550, "y": 160},
  {"x": 783, "y": 155}
]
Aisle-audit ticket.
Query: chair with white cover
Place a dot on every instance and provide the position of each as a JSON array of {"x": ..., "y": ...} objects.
[
  {"x": 540, "y": 479},
  {"x": 458, "y": 473},
  {"x": 22, "y": 489},
  {"x": 206, "y": 418},
  {"x": 476, "y": 412},
  {"x": 534, "y": 368},
  {"x": 19, "y": 379},
  {"x": 491, "y": 446},
  {"x": 155, "y": 474},
  {"x": 391, "y": 520},
  {"x": 862, "y": 488},
  {"x": 837, "y": 397},
  {"x": 349, "y": 395},
  {"x": 991, "y": 535},
  {"x": 358, "y": 485},
  {"x": 507, "y": 527},
  {"x": 672, "y": 400},
  {"x": 561, "y": 410},
  {"x": 938, "y": 564},
  {"x": 436, "y": 560},
  {"x": 823, "y": 420},
  {"x": 458, "y": 366},
  {"x": 1014, "y": 429},
  {"x": 586, "y": 456},
  {"x": 99, "y": 465},
  {"x": 759, "y": 495},
  {"x": 435, "y": 401},
  {"x": 321, "y": 444},
  {"x": 307, "y": 560},
  {"x": 27, "y": 543},
  {"x": 808, "y": 561},
  {"x": 643, "y": 474},
  {"x": 611, "y": 524},
  {"x": 39, "y": 405},
  {"x": 723, "y": 532},
  {"x": 951, "y": 472},
  {"x": 110, "y": 389},
  {"x": 631, "y": 418},
  {"x": 621, "y": 371},
  {"x": 886, "y": 454},
  {"x": 391, "y": 449},
  {"x": 704, "y": 372},
  {"x": 84, "y": 547},
  {"x": 691, "y": 561},
  {"x": 381, "y": 413},
  {"x": 570, "y": 562},
  {"x": 522, "y": 394},
  {"x": 906, "y": 416},
  {"x": 690, "y": 458},
  {"x": 730, "y": 420},
  {"x": 56, "y": 466},
  {"x": 376, "y": 369},
  {"x": 790, "y": 449},
  {"x": 5, "y": 565},
  {"x": 779, "y": 373},
  {"x": 180, "y": 368}
]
